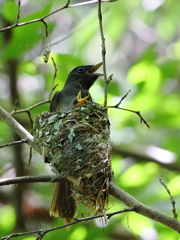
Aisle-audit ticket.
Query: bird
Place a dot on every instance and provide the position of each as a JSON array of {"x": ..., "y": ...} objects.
[{"x": 74, "y": 93}]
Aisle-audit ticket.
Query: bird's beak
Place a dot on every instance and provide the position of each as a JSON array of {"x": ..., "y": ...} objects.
[{"x": 94, "y": 68}]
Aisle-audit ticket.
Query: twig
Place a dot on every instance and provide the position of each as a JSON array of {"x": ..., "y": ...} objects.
[
  {"x": 31, "y": 179},
  {"x": 171, "y": 197},
  {"x": 109, "y": 79},
  {"x": 46, "y": 53},
  {"x": 19, "y": 11},
  {"x": 90, "y": 2},
  {"x": 103, "y": 52},
  {"x": 45, "y": 16},
  {"x": 15, "y": 105},
  {"x": 54, "y": 77},
  {"x": 18, "y": 128},
  {"x": 46, "y": 27},
  {"x": 29, "y": 108},
  {"x": 143, "y": 209},
  {"x": 30, "y": 119},
  {"x": 117, "y": 105},
  {"x": 30, "y": 156},
  {"x": 142, "y": 120},
  {"x": 42, "y": 233},
  {"x": 115, "y": 191},
  {"x": 13, "y": 143}
]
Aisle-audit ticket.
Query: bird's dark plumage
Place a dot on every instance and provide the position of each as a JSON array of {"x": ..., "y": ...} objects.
[
  {"x": 75, "y": 92},
  {"x": 80, "y": 79}
]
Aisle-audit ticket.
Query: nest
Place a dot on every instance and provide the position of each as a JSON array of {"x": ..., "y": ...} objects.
[{"x": 77, "y": 144}]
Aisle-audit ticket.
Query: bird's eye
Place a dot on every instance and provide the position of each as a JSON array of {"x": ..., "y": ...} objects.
[{"x": 80, "y": 69}]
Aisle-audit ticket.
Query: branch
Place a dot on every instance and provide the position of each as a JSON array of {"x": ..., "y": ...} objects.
[
  {"x": 103, "y": 52},
  {"x": 171, "y": 197},
  {"x": 120, "y": 101},
  {"x": 13, "y": 143},
  {"x": 115, "y": 191},
  {"x": 18, "y": 128},
  {"x": 142, "y": 120},
  {"x": 19, "y": 11},
  {"x": 41, "y": 233},
  {"x": 41, "y": 19},
  {"x": 29, "y": 108},
  {"x": 54, "y": 77},
  {"x": 31, "y": 179},
  {"x": 143, "y": 209}
]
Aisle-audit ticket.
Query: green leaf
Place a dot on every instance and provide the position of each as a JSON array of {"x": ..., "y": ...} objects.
[{"x": 10, "y": 11}]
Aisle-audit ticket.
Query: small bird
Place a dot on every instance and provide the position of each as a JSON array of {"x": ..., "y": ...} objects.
[
  {"x": 77, "y": 85},
  {"x": 74, "y": 93}
]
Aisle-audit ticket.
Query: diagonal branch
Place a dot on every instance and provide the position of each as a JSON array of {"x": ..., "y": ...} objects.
[
  {"x": 13, "y": 143},
  {"x": 29, "y": 108},
  {"x": 18, "y": 128},
  {"x": 171, "y": 197},
  {"x": 41, "y": 233},
  {"x": 143, "y": 209},
  {"x": 31, "y": 179},
  {"x": 41, "y": 19},
  {"x": 115, "y": 191},
  {"x": 142, "y": 120}
]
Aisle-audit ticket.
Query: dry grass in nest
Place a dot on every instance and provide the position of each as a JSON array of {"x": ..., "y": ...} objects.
[{"x": 77, "y": 144}]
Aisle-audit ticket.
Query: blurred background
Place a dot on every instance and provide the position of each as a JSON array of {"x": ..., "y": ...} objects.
[{"x": 143, "y": 54}]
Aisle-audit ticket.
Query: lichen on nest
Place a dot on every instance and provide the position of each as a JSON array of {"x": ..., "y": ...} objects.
[{"x": 77, "y": 144}]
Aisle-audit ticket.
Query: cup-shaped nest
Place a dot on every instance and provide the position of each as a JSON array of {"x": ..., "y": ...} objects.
[{"x": 77, "y": 144}]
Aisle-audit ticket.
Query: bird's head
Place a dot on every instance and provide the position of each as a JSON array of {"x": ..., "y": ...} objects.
[{"x": 84, "y": 76}]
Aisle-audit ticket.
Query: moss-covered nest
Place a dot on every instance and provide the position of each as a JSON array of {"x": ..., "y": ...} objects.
[{"x": 77, "y": 144}]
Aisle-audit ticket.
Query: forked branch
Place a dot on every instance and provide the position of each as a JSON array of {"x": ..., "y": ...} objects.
[
  {"x": 142, "y": 120},
  {"x": 41, "y": 19}
]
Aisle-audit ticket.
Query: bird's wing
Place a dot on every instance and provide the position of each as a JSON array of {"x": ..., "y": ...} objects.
[{"x": 55, "y": 102}]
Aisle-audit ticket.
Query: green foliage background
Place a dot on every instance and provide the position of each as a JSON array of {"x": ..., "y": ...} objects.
[{"x": 143, "y": 53}]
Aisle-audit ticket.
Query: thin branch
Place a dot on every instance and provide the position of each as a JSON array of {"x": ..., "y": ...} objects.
[
  {"x": 103, "y": 52},
  {"x": 54, "y": 77},
  {"x": 41, "y": 233},
  {"x": 30, "y": 119},
  {"x": 19, "y": 12},
  {"x": 18, "y": 128},
  {"x": 46, "y": 27},
  {"x": 109, "y": 79},
  {"x": 90, "y": 2},
  {"x": 115, "y": 191},
  {"x": 31, "y": 179},
  {"x": 45, "y": 16},
  {"x": 171, "y": 197},
  {"x": 30, "y": 156},
  {"x": 142, "y": 120},
  {"x": 143, "y": 209},
  {"x": 29, "y": 108},
  {"x": 46, "y": 53},
  {"x": 13, "y": 143},
  {"x": 117, "y": 105}
]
